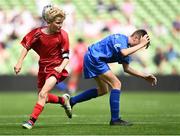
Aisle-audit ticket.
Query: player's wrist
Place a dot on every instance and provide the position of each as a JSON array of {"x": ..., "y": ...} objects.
[
  {"x": 145, "y": 76},
  {"x": 142, "y": 44}
]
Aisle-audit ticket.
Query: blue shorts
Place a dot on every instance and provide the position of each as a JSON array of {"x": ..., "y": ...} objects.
[{"x": 93, "y": 67}]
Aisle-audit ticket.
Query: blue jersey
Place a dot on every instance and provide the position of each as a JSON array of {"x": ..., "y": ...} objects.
[
  {"x": 108, "y": 49},
  {"x": 105, "y": 51}
]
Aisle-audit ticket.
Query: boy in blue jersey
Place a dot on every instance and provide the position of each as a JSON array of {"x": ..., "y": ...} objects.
[{"x": 113, "y": 48}]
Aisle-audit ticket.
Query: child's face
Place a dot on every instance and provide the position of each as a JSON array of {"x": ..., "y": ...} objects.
[
  {"x": 56, "y": 25},
  {"x": 134, "y": 40}
]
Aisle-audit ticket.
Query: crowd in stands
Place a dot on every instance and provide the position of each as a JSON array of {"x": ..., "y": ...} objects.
[{"x": 15, "y": 23}]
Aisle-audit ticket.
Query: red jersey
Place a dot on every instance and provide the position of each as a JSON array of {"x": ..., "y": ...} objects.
[
  {"x": 76, "y": 62},
  {"x": 50, "y": 48}
]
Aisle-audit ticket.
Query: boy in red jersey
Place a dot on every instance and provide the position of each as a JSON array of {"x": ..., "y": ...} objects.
[{"x": 51, "y": 43}]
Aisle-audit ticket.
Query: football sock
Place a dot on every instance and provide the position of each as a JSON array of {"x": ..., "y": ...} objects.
[
  {"x": 61, "y": 100},
  {"x": 72, "y": 85},
  {"x": 84, "y": 96},
  {"x": 114, "y": 104},
  {"x": 32, "y": 120},
  {"x": 36, "y": 112},
  {"x": 55, "y": 99},
  {"x": 52, "y": 98}
]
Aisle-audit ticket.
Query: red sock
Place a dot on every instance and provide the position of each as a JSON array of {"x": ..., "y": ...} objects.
[
  {"x": 61, "y": 100},
  {"x": 37, "y": 111},
  {"x": 72, "y": 85},
  {"x": 55, "y": 99},
  {"x": 52, "y": 98}
]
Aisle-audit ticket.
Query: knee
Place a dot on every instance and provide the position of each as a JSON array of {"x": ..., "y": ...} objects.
[
  {"x": 102, "y": 91},
  {"x": 42, "y": 95},
  {"x": 116, "y": 85}
]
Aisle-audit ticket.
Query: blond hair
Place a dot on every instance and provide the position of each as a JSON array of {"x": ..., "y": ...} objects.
[{"x": 51, "y": 12}]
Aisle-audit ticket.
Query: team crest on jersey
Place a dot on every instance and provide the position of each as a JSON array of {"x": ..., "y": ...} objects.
[
  {"x": 116, "y": 36},
  {"x": 117, "y": 45}
]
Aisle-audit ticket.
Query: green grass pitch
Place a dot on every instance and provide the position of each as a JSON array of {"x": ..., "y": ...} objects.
[{"x": 153, "y": 113}]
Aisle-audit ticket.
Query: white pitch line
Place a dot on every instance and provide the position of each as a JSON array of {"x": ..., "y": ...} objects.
[
  {"x": 93, "y": 123},
  {"x": 86, "y": 116},
  {"x": 42, "y": 116}
]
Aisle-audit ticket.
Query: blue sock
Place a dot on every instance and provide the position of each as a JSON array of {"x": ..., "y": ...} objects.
[
  {"x": 84, "y": 96},
  {"x": 114, "y": 104}
]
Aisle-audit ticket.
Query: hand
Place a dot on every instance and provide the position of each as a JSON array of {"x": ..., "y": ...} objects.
[
  {"x": 58, "y": 69},
  {"x": 17, "y": 68},
  {"x": 145, "y": 40},
  {"x": 151, "y": 79}
]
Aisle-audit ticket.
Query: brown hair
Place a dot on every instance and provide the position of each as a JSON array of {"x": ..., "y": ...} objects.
[{"x": 140, "y": 33}]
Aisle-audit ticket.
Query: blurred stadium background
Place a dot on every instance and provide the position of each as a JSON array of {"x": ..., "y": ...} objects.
[{"x": 92, "y": 20}]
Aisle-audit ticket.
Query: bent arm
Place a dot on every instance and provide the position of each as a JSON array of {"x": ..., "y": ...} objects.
[
  {"x": 129, "y": 51},
  {"x": 133, "y": 72},
  {"x": 23, "y": 55},
  {"x": 148, "y": 77},
  {"x": 64, "y": 63},
  {"x": 62, "y": 66},
  {"x": 17, "y": 67},
  {"x": 143, "y": 42},
  {"x": 65, "y": 52}
]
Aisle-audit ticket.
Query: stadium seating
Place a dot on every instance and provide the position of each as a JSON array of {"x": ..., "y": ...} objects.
[{"x": 153, "y": 12}]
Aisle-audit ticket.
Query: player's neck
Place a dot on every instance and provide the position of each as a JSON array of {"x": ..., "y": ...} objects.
[{"x": 47, "y": 31}]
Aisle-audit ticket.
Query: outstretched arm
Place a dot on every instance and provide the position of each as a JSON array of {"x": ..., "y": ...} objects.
[
  {"x": 143, "y": 42},
  {"x": 17, "y": 67},
  {"x": 148, "y": 77}
]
